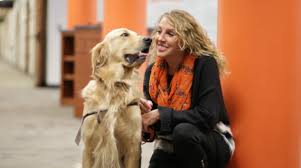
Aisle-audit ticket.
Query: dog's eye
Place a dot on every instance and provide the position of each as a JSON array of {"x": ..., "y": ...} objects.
[{"x": 124, "y": 34}]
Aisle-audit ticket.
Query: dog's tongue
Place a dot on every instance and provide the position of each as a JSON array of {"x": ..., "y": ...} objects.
[{"x": 142, "y": 54}]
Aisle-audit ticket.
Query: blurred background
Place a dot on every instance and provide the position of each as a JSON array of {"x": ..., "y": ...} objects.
[
  {"x": 45, "y": 62},
  {"x": 31, "y": 30}
]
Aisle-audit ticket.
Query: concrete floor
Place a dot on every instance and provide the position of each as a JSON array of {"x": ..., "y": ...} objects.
[{"x": 35, "y": 130}]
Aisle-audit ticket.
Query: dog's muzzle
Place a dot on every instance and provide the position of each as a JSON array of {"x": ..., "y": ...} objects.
[{"x": 141, "y": 56}]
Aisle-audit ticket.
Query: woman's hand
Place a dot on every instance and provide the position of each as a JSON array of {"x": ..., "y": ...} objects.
[
  {"x": 145, "y": 105},
  {"x": 150, "y": 118}
]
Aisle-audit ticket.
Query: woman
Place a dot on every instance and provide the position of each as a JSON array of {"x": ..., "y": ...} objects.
[{"x": 184, "y": 105}]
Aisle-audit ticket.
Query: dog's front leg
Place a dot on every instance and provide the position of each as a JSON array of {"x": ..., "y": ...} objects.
[
  {"x": 133, "y": 156},
  {"x": 88, "y": 159},
  {"x": 132, "y": 137}
]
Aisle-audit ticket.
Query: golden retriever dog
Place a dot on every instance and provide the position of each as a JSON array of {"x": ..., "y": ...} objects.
[{"x": 111, "y": 124}]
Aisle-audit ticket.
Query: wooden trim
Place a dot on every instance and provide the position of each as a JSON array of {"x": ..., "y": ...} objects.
[
  {"x": 27, "y": 37},
  {"x": 41, "y": 7}
]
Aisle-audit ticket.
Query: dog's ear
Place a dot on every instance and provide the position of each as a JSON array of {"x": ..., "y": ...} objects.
[{"x": 99, "y": 57}]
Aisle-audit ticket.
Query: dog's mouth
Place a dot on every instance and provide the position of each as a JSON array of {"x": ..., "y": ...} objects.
[{"x": 139, "y": 57}]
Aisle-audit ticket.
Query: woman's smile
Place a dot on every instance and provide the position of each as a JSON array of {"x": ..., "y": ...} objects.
[{"x": 161, "y": 47}]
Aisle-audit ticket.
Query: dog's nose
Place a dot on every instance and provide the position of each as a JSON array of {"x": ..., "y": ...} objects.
[{"x": 147, "y": 40}]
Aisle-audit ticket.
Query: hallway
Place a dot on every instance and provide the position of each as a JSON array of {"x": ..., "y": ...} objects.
[{"x": 35, "y": 130}]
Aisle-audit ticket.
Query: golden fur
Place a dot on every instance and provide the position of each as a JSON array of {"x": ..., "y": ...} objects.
[{"x": 115, "y": 141}]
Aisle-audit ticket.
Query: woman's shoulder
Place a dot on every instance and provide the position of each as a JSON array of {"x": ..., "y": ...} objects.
[{"x": 205, "y": 61}]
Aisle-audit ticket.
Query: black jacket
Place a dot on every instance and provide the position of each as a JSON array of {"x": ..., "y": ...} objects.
[{"x": 207, "y": 104}]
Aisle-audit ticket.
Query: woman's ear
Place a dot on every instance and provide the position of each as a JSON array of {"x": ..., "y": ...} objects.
[{"x": 99, "y": 57}]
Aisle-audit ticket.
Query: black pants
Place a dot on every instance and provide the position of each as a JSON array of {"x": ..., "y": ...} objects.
[{"x": 193, "y": 149}]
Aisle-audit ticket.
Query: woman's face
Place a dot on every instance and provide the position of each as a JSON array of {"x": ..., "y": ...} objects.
[{"x": 166, "y": 39}]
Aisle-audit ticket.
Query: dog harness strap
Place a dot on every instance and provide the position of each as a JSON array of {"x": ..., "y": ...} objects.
[
  {"x": 100, "y": 111},
  {"x": 78, "y": 135}
]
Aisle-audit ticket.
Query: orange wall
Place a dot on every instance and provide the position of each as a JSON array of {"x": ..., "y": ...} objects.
[
  {"x": 261, "y": 41},
  {"x": 81, "y": 12},
  {"x": 130, "y": 14}
]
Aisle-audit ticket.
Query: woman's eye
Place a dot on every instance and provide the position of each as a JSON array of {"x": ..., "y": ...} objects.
[
  {"x": 125, "y": 34},
  {"x": 171, "y": 34}
]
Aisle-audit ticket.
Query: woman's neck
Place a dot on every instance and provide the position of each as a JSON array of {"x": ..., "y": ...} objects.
[{"x": 174, "y": 62}]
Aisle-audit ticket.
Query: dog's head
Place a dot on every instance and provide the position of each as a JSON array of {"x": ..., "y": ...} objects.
[{"x": 120, "y": 47}]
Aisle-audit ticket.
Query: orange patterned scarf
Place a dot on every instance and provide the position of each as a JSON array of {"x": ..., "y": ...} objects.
[{"x": 178, "y": 94}]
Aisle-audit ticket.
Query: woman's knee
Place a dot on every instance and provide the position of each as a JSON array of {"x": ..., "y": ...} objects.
[
  {"x": 185, "y": 132},
  {"x": 188, "y": 145}
]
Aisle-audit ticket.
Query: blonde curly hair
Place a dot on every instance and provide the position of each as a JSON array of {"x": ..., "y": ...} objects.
[{"x": 193, "y": 38}]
